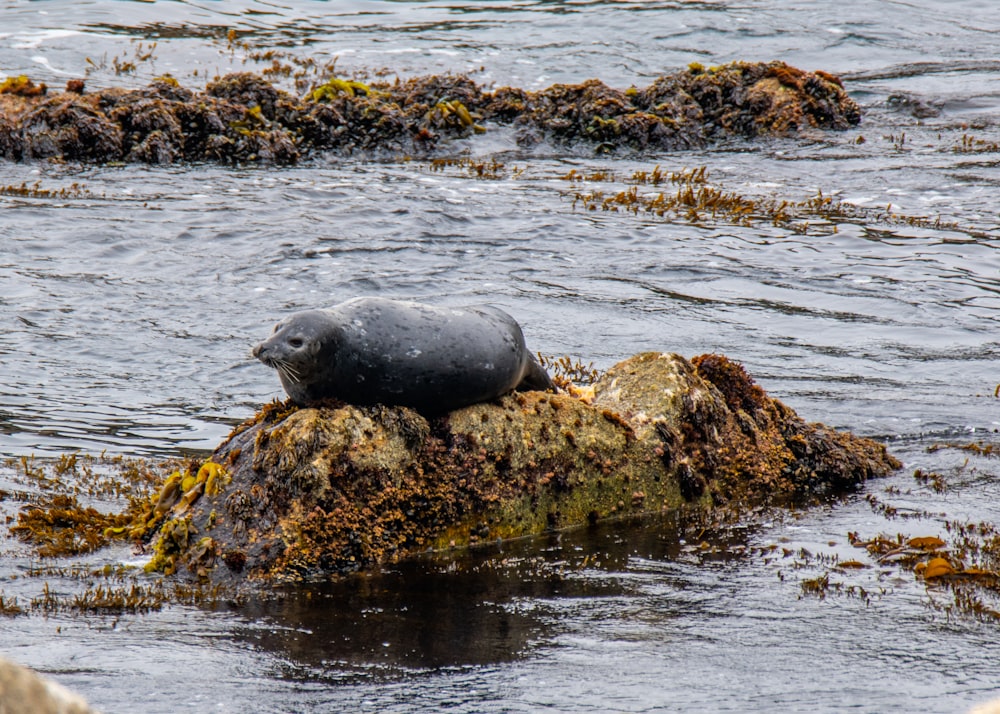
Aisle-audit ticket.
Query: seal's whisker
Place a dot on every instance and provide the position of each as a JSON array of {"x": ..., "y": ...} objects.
[
  {"x": 288, "y": 371},
  {"x": 283, "y": 367}
]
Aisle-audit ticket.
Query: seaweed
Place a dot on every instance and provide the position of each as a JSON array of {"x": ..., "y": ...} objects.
[
  {"x": 697, "y": 201},
  {"x": 246, "y": 118}
]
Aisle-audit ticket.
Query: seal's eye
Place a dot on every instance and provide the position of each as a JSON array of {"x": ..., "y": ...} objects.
[{"x": 295, "y": 342}]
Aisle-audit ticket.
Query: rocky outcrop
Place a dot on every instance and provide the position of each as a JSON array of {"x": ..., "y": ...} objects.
[
  {"x": 297, "y": 493},
  {"x": 243, "y": 118}
]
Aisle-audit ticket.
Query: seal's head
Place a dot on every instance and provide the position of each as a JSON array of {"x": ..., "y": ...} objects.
[{"x": 303, "y": 350}]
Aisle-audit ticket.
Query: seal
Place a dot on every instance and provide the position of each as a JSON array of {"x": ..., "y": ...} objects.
[{"x": 380, "y": 351}]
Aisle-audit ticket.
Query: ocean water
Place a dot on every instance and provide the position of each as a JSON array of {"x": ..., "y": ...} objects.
[{"x": 129, "y": 307}]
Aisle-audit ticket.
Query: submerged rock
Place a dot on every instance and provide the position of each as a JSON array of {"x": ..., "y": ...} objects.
[
  {"x": 243, "y": 118},
  {"x": 297, "y": 493}
]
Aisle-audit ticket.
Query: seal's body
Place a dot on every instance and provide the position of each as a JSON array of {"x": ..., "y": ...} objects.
[{"x": 379, "y": 351}]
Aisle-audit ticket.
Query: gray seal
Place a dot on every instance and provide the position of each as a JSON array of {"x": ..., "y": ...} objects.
[{"x": 379, "y": 351}]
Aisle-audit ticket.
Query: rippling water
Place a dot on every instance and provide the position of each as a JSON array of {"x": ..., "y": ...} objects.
[{"x": 129, "y": 307}]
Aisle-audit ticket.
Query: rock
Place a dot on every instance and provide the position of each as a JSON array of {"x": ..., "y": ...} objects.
[
  {"x": 243, "y": 118},
  {"x": 23, "y": 691},
  {"x": 990, "y": 707},
  {"x": 308, "y": 492}
]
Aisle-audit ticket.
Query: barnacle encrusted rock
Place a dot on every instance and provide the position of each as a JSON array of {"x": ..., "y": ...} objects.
[
  {"x": 341, "y": 488},
  {"x": 241, "y": 118}
]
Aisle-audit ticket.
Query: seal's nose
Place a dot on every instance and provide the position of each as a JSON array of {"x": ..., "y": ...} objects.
[{"x": 257, "y": 350}]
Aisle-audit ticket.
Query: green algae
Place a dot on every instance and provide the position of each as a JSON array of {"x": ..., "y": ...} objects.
[
  {"x": 335, "y": 87},
  {"x": 22, "y": 86}
]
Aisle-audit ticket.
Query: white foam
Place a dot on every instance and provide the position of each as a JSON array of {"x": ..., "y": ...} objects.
[
  {"x": 31, "y": 40},
  {"x": 47, "y": 65}
]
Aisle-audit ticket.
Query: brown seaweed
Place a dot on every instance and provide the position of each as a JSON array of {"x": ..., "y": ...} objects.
[{"x": 245, "y": 118}]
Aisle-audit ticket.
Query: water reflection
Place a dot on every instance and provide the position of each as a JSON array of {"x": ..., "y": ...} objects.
[{"x": 492, "y": 605}]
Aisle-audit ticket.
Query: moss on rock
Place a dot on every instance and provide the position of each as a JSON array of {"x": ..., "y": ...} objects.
[{"x": 341, "y": 488}]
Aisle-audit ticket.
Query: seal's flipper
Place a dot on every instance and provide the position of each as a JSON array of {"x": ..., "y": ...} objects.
[{"x": 535, "y": 378}]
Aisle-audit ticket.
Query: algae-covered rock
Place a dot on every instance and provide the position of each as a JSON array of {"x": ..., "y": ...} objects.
[
  {"x": 340, "y": 488},
  {"x": 241, "y": 118}
]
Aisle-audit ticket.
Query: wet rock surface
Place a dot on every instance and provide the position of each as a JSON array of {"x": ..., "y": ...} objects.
[
  {"x": 300, "y": 493},
  {"x": 242, "y": 118}
]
